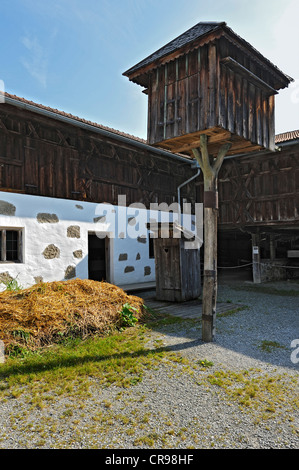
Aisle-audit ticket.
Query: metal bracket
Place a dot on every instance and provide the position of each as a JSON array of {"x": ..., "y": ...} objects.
[{"x": 210, "y": 199}]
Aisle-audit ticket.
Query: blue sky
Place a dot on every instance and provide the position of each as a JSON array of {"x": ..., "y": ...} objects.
[{"x": 70, "y": 54}]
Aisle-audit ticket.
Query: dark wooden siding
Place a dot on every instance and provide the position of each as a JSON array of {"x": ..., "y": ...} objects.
[
  {"x": 259, "y": 190},
  {"x": 215, "y": 87},
  {"x": 47, "y": 157}
]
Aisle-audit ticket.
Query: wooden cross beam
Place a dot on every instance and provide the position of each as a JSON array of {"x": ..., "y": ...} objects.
[{"x": 210, "y": 168}]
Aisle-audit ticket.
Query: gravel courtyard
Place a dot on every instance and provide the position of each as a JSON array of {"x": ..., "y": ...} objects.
[{"x": 239, "y": 392}]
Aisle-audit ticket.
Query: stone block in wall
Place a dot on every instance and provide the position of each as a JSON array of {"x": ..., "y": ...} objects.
[
  {"x": 147, "y": 270},
  {"x": 70, "y": 272},
  {"x": 129, "y": 269},
  {"x": 78, "y": 254},
  {"x": 101, "y": 219},
  {"x": 5, "y": 277},
  {"x": 73, "y": 231},
  {"x": 51, "y": 252},
  {"x": 132, "y": 221},
  {"x": 6, "y": 208},
  {"x": 142, "y": 239},
  {"x": 45, "y": 218}
]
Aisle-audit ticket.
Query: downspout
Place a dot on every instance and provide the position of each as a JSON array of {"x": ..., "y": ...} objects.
[{"x": 194, "y": 165}]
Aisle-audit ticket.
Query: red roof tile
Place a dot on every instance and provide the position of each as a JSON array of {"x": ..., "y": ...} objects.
[
  {"x": 286, "y": 136},
  {"x": 279, "y": 138},
  {"x": 70, "y": 116}
]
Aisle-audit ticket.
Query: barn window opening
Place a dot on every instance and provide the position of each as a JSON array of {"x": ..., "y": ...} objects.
[
  {"x": 11, "y": 245},
  {"x": 151, "y": 250}
]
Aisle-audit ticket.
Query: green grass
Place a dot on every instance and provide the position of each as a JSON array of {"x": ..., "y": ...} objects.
[
  {"x": 268, "y": 395},
  {"x": 267, "y": 290},
  {"x": 120, "y": 358},
  {"x": 268, "y": 346},
  {"x": 232, "y": 311}
]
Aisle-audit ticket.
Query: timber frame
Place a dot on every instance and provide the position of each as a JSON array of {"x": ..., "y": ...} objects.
[{"x": 45, "y": 152}]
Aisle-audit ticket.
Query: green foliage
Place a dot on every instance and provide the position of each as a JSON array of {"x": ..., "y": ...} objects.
[
  {"x": 205, "y": 363},
  {"x": 268, "y": 346},
  {"x": 127, "y": 316},
  {"x": 12, "y": 285}
]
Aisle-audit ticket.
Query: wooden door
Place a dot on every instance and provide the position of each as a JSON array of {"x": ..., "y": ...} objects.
[
  {"x": 167, "y": 261},
  {"x": 98, "y": 259}
]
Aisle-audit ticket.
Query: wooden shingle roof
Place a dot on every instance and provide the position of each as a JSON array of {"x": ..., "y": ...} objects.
[
  {"x": 201, "y": 32},
  {"x": 189, "y": 36}
]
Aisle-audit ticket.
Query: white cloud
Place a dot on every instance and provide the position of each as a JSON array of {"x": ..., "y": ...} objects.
[{"x": 35, "y": 61}]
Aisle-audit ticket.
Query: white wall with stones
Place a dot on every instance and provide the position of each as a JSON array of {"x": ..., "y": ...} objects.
[{"x": 55, "y": 239}]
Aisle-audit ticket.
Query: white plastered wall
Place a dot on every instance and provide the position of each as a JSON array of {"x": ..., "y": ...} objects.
[{"x": 63, "y": 225}]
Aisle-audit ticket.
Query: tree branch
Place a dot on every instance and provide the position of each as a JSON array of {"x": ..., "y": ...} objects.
[
  {"x": 221, "y": 154},
  {"x": 197, "y": 155},
  {"x": 204, "y": 151}
]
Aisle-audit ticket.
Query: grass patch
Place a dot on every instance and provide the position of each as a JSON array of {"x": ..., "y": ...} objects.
[
  {"x": 232, "y": 311},
  {"x": 261, "y": 392},
  {"x": 267, "y": 290},
  {"x": 269, "y": 346},
  {"x": 119, "y": 359}
]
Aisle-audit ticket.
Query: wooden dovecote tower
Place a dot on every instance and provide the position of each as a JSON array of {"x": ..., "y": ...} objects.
[
  {"x": 210, "y": 95},
  {"x": 209, "y": 80}
]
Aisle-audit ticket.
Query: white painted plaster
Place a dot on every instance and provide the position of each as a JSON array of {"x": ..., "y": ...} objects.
[{"x": 37, "y": 236}]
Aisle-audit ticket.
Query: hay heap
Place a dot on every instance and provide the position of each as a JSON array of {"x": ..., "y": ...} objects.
[{"x": 46, "y": 312}]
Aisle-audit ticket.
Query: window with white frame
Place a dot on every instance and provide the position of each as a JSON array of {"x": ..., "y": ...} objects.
[{"x": 11, "y": 245}]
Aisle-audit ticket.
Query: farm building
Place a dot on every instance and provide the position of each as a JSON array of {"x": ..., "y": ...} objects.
[
  {"x": 77, "y": 198},
  {"x": 259, "y": 207},
  {"x": 67, "y": 189},
  {"x": 211, "y": 95},
  {"x": 60, "y": 181}
]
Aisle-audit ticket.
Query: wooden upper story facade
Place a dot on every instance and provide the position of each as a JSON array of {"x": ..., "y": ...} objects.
[
  {"x": 209, "y": 80},
  {"x": 260, "y": 189},
  {"x": 49, "y": 153},
  {"x": 45, "y": 152}
]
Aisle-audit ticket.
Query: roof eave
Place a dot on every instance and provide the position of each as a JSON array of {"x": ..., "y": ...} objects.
[{"x": 139, "y": 73}]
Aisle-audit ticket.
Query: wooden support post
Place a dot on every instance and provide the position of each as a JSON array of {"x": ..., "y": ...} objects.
[
  {"x": 210, "y": 168},
  {"x": 272, "y": 248},
  {"x": 256, "y": 258}
]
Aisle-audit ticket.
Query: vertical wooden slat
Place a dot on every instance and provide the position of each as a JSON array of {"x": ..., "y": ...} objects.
[
  {"x": 231, "y": 102},
  {"x": 176, "y": 98},
  {"x": 223, "y": 98},
  {"x": 271, "y": 121},
  {"x": 251, "y": 113},
  {"x": 238, "y": 106},
  {"x": 259, "y": 138},
  {"x": 204, "y": 88},
  {"x": 265, "y": 122},
  {"x": 212, "y": 85},
  {"x": 186, "y": 104},
  {"x": 193, "y": 103},
  {"x": 20, "y": 246},
  {"x": 3, "y": 245},
  {"x": 245, "y": 109},
  {"x": 181, "y": 114}
]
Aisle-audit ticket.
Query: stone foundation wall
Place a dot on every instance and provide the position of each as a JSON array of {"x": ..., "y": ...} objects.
[{"x": 273, "y": 270}]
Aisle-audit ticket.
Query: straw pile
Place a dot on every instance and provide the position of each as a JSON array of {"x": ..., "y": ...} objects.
[{"x": 46, "y": 312}]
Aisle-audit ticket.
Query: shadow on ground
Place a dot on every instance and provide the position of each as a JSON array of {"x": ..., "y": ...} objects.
[{"x": 256, "y": 326}]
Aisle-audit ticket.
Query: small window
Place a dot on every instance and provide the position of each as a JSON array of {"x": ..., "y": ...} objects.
[{"x": 11, "y": 245}]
